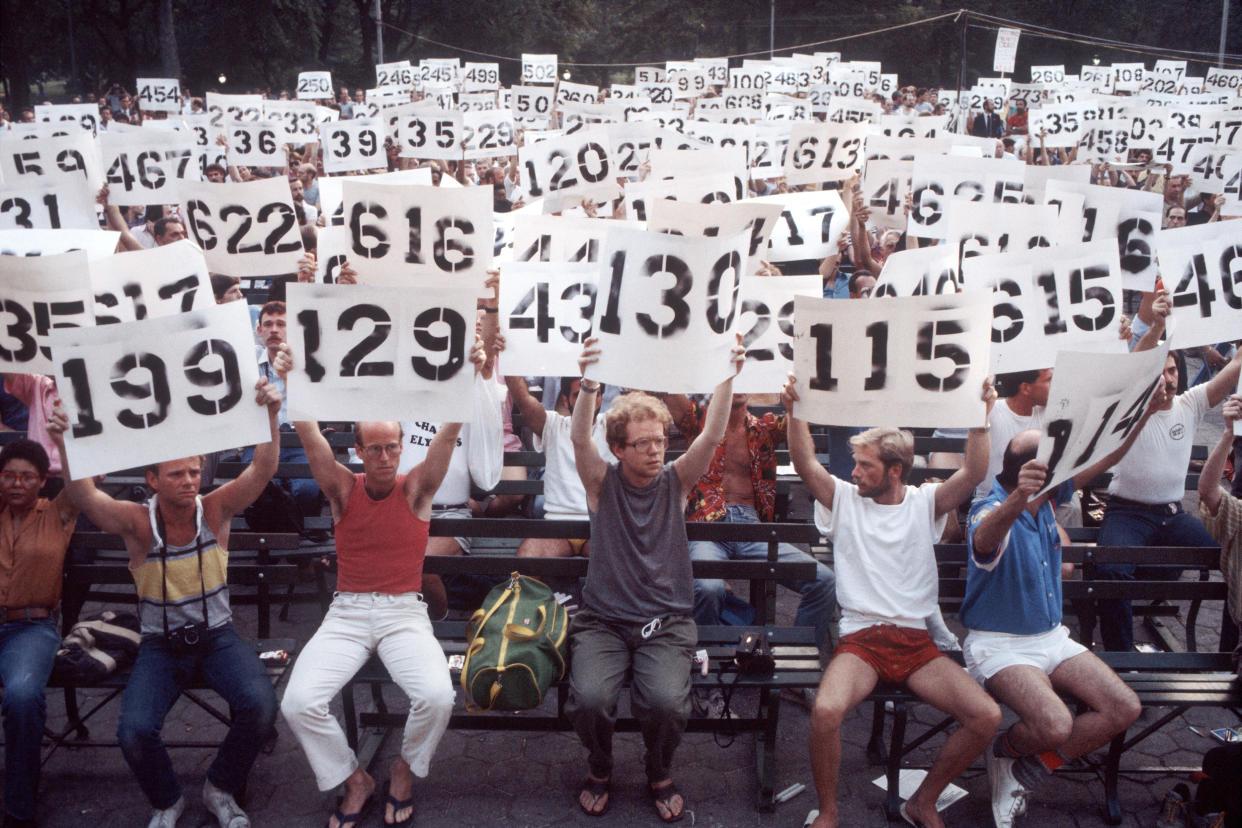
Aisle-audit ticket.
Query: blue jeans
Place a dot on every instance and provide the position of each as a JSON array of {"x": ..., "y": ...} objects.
[
  {"x": 230, "y": 667},
  {"x": 27, "y": 650},
  {"x": 1138, "y": 525},
  {"x": 819, "y": 596}
]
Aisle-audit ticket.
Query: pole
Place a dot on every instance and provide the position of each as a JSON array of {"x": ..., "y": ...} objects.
[
  {"x": 1224, "y": 28},
  {"x": 964, "y": 18},
  {"x": 379, "y": 31},
  {"x": 772, "y": 30}
]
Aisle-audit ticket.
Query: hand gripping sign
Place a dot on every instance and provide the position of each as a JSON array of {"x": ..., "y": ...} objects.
[
  {"x": 1094, "y": 403},
  {"x": 141, "y": 392},
  {"x": 911, "y": 362},
  {"x": 145, "y": 284},
  {"x": 1202, "y": 270},
  {"x": 244, "y": 229},
  {"x": 405, "y": 235},
  {"x": 37, "y": 294},
  {"x": 1047, "y": 299},
  {"x": 666, "y": 309},
  {"x": 376, "y": 352}
]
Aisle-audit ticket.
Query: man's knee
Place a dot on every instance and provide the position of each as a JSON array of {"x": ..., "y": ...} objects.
[
  {"x": 1052, "y": 724},
  {"x": 1123, "y": 710},
  {"x": 434, "y": 700},
  {"x": 256, "y": 706},
  {"x": 981, "y": 714},
  {"x": 300, "y": 703},
  {"x": 665, "y": 704},
  {"x": 137, "y": 733},
  {"x": 829, "y": 712}
]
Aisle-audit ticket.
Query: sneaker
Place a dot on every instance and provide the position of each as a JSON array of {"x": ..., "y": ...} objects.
[
  {"x": 224, "y": 807},
  {"x": 1008, "y": 796},
  {"x": 168, "y": 817}
]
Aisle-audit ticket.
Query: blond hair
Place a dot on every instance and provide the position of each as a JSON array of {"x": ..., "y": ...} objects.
[
  {"x": 635, "y": 406},
  {"x": 893, "y": 445}
]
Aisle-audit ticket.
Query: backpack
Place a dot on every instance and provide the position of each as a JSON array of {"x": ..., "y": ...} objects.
[
  {"x": 516, "y": 645},
  {"x": 97, "y": 647}
]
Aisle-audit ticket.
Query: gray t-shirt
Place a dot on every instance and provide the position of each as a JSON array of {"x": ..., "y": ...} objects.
[{"x": 640, "y": 560}]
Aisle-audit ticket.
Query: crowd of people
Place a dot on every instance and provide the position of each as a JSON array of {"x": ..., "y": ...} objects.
[{"x": 875, "y": 611}]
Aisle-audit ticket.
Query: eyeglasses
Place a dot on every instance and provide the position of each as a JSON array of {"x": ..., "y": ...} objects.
[
  {"x": 646, "y": 443},
  {"x": 25, "y": 478},
  {"x": 376, "y": 450}
]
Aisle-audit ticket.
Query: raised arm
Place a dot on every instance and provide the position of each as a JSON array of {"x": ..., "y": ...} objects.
[
  {"x": 533, "y": 413},
  {"x": 591, "y": 467},
  {"x": 1214, "y": 468},
  {"x": 1154, "y": 311},
  {"x": 1225, "y": 381},
  {"x": 335, "y": 480},
  {"x": 987, "y": 537},
  {"x": 115, "y": 516},
  {"x": 1157, "y": 401},
  {"x": 423, "y": 482},
  {"x": 116, "y": 221},
  {"x": 978, "y": 450},
  {"x": 693, "y": 464},
  {"x": 822, "y": 485},
  {"x": 240, "y": 492}
]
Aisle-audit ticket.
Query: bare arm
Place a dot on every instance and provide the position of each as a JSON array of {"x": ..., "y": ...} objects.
[
  {"x": 114, "y": 516},
  {"x": 1225, "y": 381},
  {"x": 240, "y": 492},
  {"x": 591, "y": 467},
  {"x": 990, "y": 533},
  {"x": 533, "y": 413},
  {"x": 692, "y": 465},
  {"x": 1214, "y": 468},
  {"x": 421, "y": 484},
  {"x": 117, "y": 222},
  {"x": 821, "y": 484},
  {"x": 1154, "y": 310},
  {"x": 679, "y": 406},
  {"x": 1158, "y": 400},
  {"x": 335, "y": 480}
]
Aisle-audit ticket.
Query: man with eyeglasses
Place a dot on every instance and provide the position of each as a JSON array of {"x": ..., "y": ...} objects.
[
  {"x": 381, "y": 519},
  {"x": 34, "y": 534},
  {"x": 637, "y": 605}
]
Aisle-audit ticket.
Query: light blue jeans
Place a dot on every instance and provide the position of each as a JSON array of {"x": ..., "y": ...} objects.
[{"x": 819, "y": 596}]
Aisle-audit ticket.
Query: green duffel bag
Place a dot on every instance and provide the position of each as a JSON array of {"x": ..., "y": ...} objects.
[{"x": 516, "y": 646}]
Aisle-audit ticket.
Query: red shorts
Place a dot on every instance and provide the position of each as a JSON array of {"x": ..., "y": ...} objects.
[{"x": 895, "y": 653}]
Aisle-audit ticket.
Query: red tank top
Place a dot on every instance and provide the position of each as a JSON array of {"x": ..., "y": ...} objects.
[{"x": 380, "y": 544}]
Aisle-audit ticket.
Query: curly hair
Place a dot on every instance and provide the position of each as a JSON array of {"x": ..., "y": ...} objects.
[{"x": 636, "y": 406}]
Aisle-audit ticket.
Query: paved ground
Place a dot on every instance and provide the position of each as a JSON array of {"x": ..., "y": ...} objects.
[{"x": 531, "y": 779}]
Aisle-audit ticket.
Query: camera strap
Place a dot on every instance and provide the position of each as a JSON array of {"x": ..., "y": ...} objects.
[{"x": 161, "y": 534}]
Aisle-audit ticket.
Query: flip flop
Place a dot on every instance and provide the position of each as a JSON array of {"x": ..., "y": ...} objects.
[
  {"x": 811, "y": 816},
  {"x": 664, "y": 796},
  {"x": 344, "y": 820},
  {"x": 397, "y": 805},
  {"x": 596, "y": 788},
  {"x": 906, "y": 816}
]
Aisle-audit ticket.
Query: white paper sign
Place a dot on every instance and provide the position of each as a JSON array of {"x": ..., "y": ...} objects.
[
  {"x": 936, "y": 178},
  {"x": 538, "y": 68},
  {"x": 48, "y": 207},
  {"x": 356, "y": 144},
  {"x": 330, "y": 188},
  {"x": 885, "y": 185},
  {"x": 403, "y": 235},
  {"x": 314, "y": 85},
  {"x": 765, "y": 320},
  {"x": 300, "y": 119},
  {"x": 544, "y": 238},
  {"x": 146, "y": 284},
  {"x": 974, "y": 228},
  {"x": 148, "y": 168},
  {"x": 824, "y": 152},
  {"x": 85, "y": 115},
  {"x": 919, "y": 271},
  {"x": 98, "y": 244},
  {"x": 546, "y": 311},
  {"x": 810, "y": 226},
  {"x": 257, "y": 144},
  {"x": 1083, "y": 426},
  {"x": 1132, "y": 217},
  {"x": 1047, "y": 299},
  {"x": 532, "y": 105},
  {"x": 159, "y": 94},
  {"x": 576, "y": 165},
  {"x": 488, "y": 134},
  {"x": 69, "y": 159},
  {"x": 917, "y": 362},
  {"x": 365, "y": 352},
  {"x": 1006, "y": 49},
  {"x": 244, "y": 229},
  {"x": 225, "y": 108},
  {"x": 1201, "y": 266},
  {"x": 160, "y": 389},
  {"x": 666, "y": 310},
  {"x": 40, "y": 293},
  {"x": 429, "y": 133},
  {"x": 480, "y": 77}
]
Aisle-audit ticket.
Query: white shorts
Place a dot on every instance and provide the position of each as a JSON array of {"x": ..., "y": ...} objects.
[{"x": 987, "y": 653}]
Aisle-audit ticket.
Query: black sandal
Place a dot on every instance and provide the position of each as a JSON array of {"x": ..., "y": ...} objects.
[
  {"x": 351, "y": 820},
  {"x": 397, "y": 805},
  {"x": 596, "y": 788},
  {"x": 664, "y": 796}
]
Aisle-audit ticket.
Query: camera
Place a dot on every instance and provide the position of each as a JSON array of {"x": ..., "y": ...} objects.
[
  {"x": 188, "y": 639},
  {"x": 753, "y": 656}
]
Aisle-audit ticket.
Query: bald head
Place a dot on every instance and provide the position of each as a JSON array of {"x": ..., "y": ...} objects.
[{"x": 1021, "y": 450}]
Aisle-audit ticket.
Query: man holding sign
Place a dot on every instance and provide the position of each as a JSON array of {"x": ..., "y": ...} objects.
[
  {"x": 178, "y": 554},
  {"x": 1017, "y": 647},
  {"x": 882, "y": 532},
  {"x": 1222, "y": 515},
  {"x": 639, "y": 595}
]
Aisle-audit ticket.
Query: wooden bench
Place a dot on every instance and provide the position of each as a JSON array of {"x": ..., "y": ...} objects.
[
  {"x": 794, "y": 647},
  {"x": 1177, "y": 680},
  {"x": 106, "y": 578}
]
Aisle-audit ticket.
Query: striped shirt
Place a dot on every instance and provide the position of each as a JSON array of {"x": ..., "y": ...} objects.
[{"x": 173, "y": 580}]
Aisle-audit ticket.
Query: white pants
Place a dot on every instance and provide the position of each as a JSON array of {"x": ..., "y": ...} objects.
[
  {"x": 358, "y": 624},
  {"x": 987, "y": 653}
]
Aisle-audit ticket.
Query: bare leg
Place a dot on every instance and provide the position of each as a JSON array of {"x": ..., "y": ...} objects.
[
  {"x": 1044, "y": 722},
  {"x": 948, "y": 688},
  {"x": 433, "y": 587},
  {"x": 846, "y": 682},
  {"x": 400, "y": 783},
  {"x": 502, "y": 505},
  {"x": 358, "y": 787},
  {"x": 545, "y": 548},
  {"x": 1114, "y": 706}
]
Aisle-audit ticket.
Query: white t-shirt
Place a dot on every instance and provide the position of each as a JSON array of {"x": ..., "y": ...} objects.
[
  {"x": 482, "y": 441},
  {"x": 1006, "y": 424},
  {"x": 883, "y": 556},
  {"x": 563, "y": 495},
  {"x": 1154, "y": 470}
]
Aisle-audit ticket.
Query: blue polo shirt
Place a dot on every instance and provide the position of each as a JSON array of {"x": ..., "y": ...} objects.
[{"x": 1018, "y": 591}]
